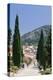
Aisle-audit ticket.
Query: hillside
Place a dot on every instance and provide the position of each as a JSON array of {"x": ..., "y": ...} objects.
[{"x": 33, "y": 36}]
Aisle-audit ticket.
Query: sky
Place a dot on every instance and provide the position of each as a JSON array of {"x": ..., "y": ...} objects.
[{"x": 30, "y": 16}]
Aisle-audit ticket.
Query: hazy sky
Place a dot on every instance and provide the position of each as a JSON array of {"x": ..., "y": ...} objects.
[{"x": 30, "y": 16}]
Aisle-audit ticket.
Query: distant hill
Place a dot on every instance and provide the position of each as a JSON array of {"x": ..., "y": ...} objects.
[{"x": 33, "y": 36}]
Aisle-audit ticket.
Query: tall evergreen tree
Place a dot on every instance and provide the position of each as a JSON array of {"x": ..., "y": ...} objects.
[
  {"x": 40, "y": 51},
  {"x": 16, "y": 44},
  {"x": 40, "y": 46},
  {"x": 21, "y": 55},
  {"x": 9, "y": 37},
  {"x": 48, "y": 46},
  {"x": 8, "y": 41}
]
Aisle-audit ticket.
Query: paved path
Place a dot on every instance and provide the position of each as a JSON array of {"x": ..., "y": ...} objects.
[{"x": 31, "y": 70}]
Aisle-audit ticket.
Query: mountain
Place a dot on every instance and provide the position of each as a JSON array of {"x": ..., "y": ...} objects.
[{"x": 33, "y": 36}]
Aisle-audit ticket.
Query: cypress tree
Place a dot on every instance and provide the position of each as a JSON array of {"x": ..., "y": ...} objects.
[
  {"x": 40, "y": 51},
  {"x": 8, "y": 41},
  {"x": 48, "y": 47},
  {"x": 21, "y": 56},
  {"x": 16, "y": 44},
  {"x": 40, "y": 46}
]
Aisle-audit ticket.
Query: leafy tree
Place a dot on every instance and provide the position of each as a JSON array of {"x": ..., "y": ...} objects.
[{"x": 16, "y": 44}]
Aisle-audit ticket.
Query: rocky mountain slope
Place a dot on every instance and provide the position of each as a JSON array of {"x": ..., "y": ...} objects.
[{"x": 33, "y": 36}]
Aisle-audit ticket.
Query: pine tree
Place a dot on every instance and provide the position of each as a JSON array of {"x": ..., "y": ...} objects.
[{"x": 16, "y": 44}]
